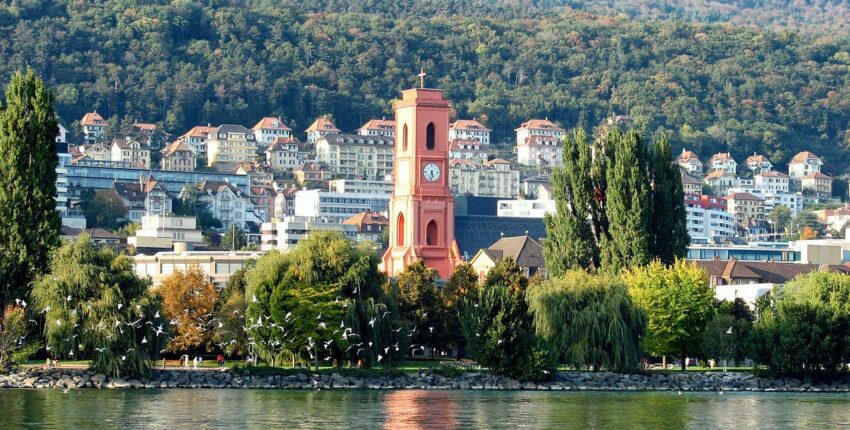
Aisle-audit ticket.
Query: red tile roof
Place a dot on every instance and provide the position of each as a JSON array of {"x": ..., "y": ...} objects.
[
  {"x": 322, "y": 124},
  {"x": 93, "y": 118},
  {"x": 539, "y": 124},
  {"x": 802, "y": 157},
  {"x": 378, "y": 124},
  {"x": 468, "y": 124},
  {"x": 268, "y": 123}
]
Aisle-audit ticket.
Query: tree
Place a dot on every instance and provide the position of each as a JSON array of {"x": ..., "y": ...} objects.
[
  {"x": 668, "y": 221},
  {"x": 13, "y": 330},
  {"x": 779, "y": 218},
  {"x": 188, "y": 301},
  {"x": 726, "y": 338},
  {"x": 95, "y": 306},
  {"x": 500, "y": 336},
  {"x": 461, "y": 285},
  {"x": 678, "y": 304},
  {"x": 421, "y": 305},
  {"x": 234, "y": 238},
  {"x": 103, "y": 208},
  {"x": 29, "y": 222},
  {"x": 230, "y": 336},
  {"x": 808, "y": 223},
  {"x": 128, "y": 229},
  {"x": 506, "y": 272},
  {"x": 319, "y": 299}
]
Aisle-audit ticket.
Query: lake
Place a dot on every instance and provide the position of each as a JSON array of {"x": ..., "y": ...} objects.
[{"x": 411, "y": 409}]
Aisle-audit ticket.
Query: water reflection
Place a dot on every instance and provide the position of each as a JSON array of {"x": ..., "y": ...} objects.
[{"x": 416, "y": 409}]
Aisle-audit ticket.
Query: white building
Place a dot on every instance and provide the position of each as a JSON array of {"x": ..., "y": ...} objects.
[
  {"x": 804, "y": 164},
  {"x": 130, "y": 150},
  {"x": 227, "y": 203},
  {"x": 285, "y": 154},
  {"x": 525, "y": 208},
  {"x": 467, "y": 149},
  {"x": 196, "y": 138},
  {"x": 466, "y": 129},
  {"x": 540, "y": 142},
  {"x": 337, "y": 206},
  {"x": 161, "y": 231},
  {"x": 217, "y": 266},
  {"x": 283, "y": 234},
  {"x": 62, "y": 136},
  {"x": 758, "y": 163},
  {"x": 723, "y": 161},
  {"x": 93, "y": 126},
  {"x": 721, "y": 181},
  {"x": 707, "y": 217},
  {"x": 360, "y": 186},
  {"x": 492, "y": 179},
  {"x": 320, "y": 127},
  {"x": 70, "y": 218},
  {"x": 356, "y": 156},
  {"x": 270, "y": 129},
  {"x": 772, "y": 182},
  {"x": 148, "y": 196},
  {"x": 689, "y": 161},
  {"x": 378, "y": 127}
]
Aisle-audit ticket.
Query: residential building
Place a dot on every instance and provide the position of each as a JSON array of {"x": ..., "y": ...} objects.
[
  {"x": 196, "y": 138},
  {"x": 378, "y": 127},
  {"x": 70, "y": 218},
  {"x": 131, "y": 151},
  {"x": 818, "y": 183},
  {"x": 147, "y": 196},
  {"x": 98, "y": 236},
  {"x": 356, "y": 156},
  {"x": 227, "y": 203},
  {"x": 689, "y": 161},
  {"x": 771, "y": 181},
  {"x": 94, "y": 127},
  {"x": 707, "y": 217},
  {"x": 723, "y": 161},
  {"x": 531, "y": 184},
  {"x": 62, "y": 136},
  {"x": 284, "y": 233},
  {"x": 370, "y": 225},
  {"x": 721, "y": 181},
  {"x": 745, "y": 207},
  {"x": 538, "y": 127},
  {"x": 217, "y": 266},
  {"x": 320, "y": 127},
  {"x": 311, "y": 172},
  {"x": 102, "y": 175},
  {"x": 178, "y": 156},
  {"x": 270, "y": 129},
  {"x": 758, "y": 163},
  {"x": 161, "y": 231},
  {"x": 539, "y": 150},
  {"x": 469, "y": 129},
  {"x": 526, "y": 252},
  {"x": 150, "y": 134},
  {"x": 286, "y": 153},
  {"x": 494, "y": 178},
  {"x": 229, "y": 143},
  {"x": 804, "y": 164},
  {"x": 835, "y": 219},
  {"x": 284, "y": 202},
  {"x": 525, "y": 208},
  {"x": 360, "y": 186},
  {"x": 337, "y": 206},
  {"x": 544, "y": 192},
  {"x": 690, "y": 184},
  {"x": 467, "y": 149},
  {"x": 94, "y": 151}
]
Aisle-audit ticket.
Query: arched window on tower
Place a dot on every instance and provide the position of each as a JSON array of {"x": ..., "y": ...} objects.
[
  {"x": 404, "y": 138},
  {"x": 429, "y": 137},
  {"x": 399, "y": 241},
  {"x": 431, "y": 233}
]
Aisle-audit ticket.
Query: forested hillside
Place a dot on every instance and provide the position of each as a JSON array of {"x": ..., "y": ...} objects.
[{"x": 180, "y": 63}]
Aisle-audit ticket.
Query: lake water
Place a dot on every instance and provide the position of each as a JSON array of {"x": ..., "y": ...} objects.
[{"x": 412, "y": 409}]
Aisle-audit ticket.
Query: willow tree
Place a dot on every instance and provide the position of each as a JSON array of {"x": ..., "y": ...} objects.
[
  {"x": 319, "y": 299},
  {"x": 29, "y": 222},
  {"x": 95, "y": 307},
  {"x": 589, "y": 320}
]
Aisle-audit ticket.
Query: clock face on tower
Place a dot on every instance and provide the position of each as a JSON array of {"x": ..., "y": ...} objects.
[{"x": 431, "y": 172}]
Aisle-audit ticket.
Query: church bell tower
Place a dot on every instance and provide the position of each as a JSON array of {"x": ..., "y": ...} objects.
[{"x": 422, "y": 209}]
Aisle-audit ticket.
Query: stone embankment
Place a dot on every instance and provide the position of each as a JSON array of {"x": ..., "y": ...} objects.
[{"x": 572, "y": 381}]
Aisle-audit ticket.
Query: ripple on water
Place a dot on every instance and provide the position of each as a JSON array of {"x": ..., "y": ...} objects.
[{"x": 413, "y": 409}]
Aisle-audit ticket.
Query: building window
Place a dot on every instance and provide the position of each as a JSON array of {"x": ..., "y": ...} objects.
[
  {"x": 429, "y": 137},
  {"x": 400, "y": 230},
  {"x": 431, "y": 233},
  {"x": 404, "y": 138}
]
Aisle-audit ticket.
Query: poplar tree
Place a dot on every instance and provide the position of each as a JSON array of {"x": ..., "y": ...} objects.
[
  {"x": 627, "y": 204},
  {"x": 668, "y": 224},
  {"x": 570, "y": 242},
  {"x": 29, "y": 222}
]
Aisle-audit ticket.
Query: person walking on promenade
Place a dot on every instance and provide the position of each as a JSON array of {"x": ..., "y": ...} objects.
[
  {"x": 220, "y": 360},
  {"x": 195, "y": 363}
]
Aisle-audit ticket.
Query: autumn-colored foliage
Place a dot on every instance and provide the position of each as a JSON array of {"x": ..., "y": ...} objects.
[{"x": 188, "y": 301}]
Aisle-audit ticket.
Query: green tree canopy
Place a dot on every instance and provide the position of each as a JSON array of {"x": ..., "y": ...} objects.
[
  {"x": 29, "y": 222},
  {"x": 678, "y": 304},
  {"x": 94, "y": 306},
  {"x": 589, "y": 320}
]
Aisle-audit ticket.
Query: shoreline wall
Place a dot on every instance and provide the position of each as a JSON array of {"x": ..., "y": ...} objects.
[{"x": 561, "y": 381}]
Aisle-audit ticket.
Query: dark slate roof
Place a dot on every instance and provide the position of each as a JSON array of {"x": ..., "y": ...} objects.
[
  {"x": 474, "y": 232},
  {"x": 232, "y": 128},
  {"x": 525, "y": 251},
  {"x": 764, "y": 271}
]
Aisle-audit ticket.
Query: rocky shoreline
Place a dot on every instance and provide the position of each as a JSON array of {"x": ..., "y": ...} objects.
[{"x": 562, "y": 381}]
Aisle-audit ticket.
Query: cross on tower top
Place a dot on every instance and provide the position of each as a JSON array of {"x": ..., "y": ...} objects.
[{"x": 421, "y": 78}]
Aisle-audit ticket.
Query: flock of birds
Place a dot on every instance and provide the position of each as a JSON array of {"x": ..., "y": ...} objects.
[{"x": 272, "y": 344}]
